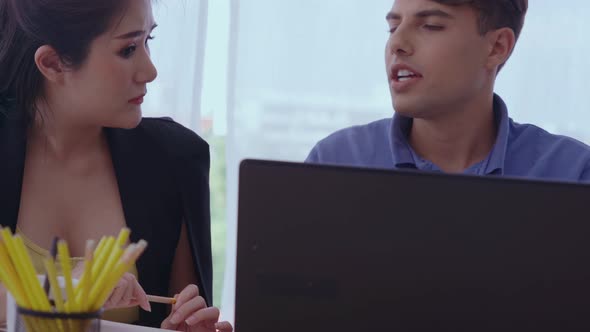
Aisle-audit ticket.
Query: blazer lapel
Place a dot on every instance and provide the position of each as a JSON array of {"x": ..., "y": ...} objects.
[{"x": 132, "y": 168}]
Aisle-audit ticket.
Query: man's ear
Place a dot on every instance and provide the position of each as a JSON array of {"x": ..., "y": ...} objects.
[
  {"x": 49, "y": 64},
  {"x": 501, "y": 44}
]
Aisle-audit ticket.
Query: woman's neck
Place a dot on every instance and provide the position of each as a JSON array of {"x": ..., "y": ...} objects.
[{"x": 65, "y": 141}]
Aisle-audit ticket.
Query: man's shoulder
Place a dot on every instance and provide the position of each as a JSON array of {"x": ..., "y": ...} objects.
[
  {"x": 557, "y": 156},
  {"x": 529, "y": 136},
  {"x": 376, "y": 130},
  {"x": 353, "y": 144}
]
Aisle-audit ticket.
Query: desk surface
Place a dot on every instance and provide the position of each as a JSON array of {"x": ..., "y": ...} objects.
[{"x": 106, "y": 326}]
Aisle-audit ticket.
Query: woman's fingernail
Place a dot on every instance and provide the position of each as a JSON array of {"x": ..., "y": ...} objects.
[{"x": 147, "y": 307}]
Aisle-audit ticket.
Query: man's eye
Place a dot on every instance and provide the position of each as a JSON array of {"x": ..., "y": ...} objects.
[{"x": 433, "y": 27}]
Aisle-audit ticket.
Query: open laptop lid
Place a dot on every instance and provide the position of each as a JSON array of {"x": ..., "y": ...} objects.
[{"x": 324, "y": 248}]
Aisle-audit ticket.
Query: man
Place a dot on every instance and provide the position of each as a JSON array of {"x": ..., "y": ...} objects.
[{"x": 442, "y": 59}]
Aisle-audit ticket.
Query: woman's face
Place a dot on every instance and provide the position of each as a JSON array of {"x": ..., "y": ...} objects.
[{"x": 108, "y": 89}]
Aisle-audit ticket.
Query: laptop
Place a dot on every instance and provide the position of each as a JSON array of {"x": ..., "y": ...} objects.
[{"x": 325, "y": 248}]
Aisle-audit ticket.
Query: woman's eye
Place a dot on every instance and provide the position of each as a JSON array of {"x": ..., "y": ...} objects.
[
  {"x": 128, "y": 51},
  {"x": 150, "y": 37}
]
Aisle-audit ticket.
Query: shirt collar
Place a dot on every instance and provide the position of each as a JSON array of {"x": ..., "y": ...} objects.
[{"x": 405, "y": 157}]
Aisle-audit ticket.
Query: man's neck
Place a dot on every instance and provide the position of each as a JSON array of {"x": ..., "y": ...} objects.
[{"x": 459, "y": 137}]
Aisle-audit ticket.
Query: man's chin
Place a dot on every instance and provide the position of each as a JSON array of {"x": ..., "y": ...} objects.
[{"x": 410, "y": 108}]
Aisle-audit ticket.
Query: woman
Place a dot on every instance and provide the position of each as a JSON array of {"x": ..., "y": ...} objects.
[{"x": 78, "y": 161}]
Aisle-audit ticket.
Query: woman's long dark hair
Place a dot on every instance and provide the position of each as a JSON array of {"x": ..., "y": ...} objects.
[{"x": 69, "y": 26}]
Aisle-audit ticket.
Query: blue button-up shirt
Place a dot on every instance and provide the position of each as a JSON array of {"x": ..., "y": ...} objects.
[{"x": 520, "y": 150}]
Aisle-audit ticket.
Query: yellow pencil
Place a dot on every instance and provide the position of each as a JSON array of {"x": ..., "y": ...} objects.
[
  {"x": 83, "y": 276},
  {"x": 64, "y": 259},
  {"x": 102, "y": 279},
  {"x": 123, "y": 237},
  {"x": 104, "y": 265},
  {"x": 7, "y": 282},
  {"x": 39, "y": 297},
  {"x": 101, "y": 285},
  {"x": 11, "y": 277},
  {"x": 20, "y": 270},
  {"x": 105, "y": 273},
  {"x": 24, "y": 256},
  {"x": 111, "y": 257},
  {"x": 99, "y": 247},
  {"x": 131, "y": 254},
  {"x": 55, "y": 288},
  {"x": 30, "y": 301},
  {"x": 101, "y": 257},
  {"x": 87, "y": 282}
]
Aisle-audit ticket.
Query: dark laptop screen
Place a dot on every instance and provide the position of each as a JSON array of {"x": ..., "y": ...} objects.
[{"x": 340, "y": 249}]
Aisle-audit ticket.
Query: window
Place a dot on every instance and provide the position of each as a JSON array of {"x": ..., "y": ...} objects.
[{"x": 271, "y": 78}]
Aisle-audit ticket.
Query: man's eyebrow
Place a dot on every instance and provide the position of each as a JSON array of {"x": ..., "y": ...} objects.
[
  {"x": 392, "y": 16},
  {"x": 135, "y": 34},
  {"x": 433, "y": 12}
]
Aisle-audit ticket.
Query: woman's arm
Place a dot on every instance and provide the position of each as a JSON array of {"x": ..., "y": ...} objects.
[
  {"x": 183, "y": 268},
  {"x": 190, "y": 313}
]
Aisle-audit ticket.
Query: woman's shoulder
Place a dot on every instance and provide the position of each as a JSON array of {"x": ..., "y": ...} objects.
[{"x": 172, "y": 137}]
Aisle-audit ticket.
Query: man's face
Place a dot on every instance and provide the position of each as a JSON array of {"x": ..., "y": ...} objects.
[{"x": 435, "y": 57}]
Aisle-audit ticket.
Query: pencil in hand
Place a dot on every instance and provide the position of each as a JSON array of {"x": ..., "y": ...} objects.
[{"x": 161, "y": 299}]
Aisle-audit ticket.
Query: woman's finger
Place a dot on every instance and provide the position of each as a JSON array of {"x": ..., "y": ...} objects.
[
  {"x": 127, "y": 293},
  {"x": 187, "y": 309},
  {"x": 140, "y": 297},
  {"x": 188, "y": 293},
  {"x": 130, "y": 284},
  {"x": 224, "y": 327},
  {"x": 207, "y": 317},
  {"x": 116, "y": 295}
]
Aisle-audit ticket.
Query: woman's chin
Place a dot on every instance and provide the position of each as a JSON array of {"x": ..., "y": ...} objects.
[{"x": 127, "y": 122}]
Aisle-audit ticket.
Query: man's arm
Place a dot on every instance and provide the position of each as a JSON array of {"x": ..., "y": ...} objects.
[
  {"x": 585, "y": 177},
  {"x": 314, "y": 156}
]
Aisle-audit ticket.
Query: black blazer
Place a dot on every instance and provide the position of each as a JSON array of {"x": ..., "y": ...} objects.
[{"x": 162, "y": 171}]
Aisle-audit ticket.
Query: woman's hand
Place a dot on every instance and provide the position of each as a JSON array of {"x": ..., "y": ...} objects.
[
  {"x": 191, "y": 314},
  {"x": 127, "y": 293}
]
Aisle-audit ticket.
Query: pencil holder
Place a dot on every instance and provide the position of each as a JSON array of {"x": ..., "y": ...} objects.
[
  {"x": 60, "y": 303},
  {"x": 35, "y": 321}
]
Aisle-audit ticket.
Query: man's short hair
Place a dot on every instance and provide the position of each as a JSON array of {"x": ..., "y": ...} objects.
[{"x": 495, "y": 14}]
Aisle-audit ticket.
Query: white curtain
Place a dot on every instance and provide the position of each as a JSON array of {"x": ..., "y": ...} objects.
[
  {"x": 280, "y": 75},
  {"x": 190, "y": 51},
  {"x": 177, "y": 52}
]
